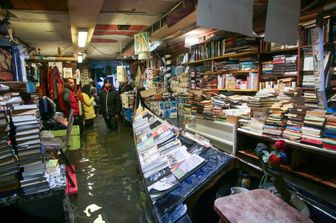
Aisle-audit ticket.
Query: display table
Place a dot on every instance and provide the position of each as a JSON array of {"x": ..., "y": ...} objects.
[
  {"x": 256, "y": 206},
  {"x": 171, "y": 207}
]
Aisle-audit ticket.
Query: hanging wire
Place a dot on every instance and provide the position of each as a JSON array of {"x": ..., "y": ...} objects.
[{"x": 94, "y": 47}]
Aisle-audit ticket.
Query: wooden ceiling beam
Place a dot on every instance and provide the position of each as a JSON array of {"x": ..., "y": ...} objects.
[{"x": 83, "y": 15}]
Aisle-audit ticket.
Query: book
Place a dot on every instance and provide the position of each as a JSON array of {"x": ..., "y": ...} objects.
[
  {"x": 157, "y": 176},
  {"x": 162, "y": 186},
  {"x": 187, "y": 167},
  {"x": 177, "y": 156}
]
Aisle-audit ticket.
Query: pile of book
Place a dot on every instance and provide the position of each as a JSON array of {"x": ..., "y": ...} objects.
[
  {"x": 241, "y": 45},
  {"x": 164, "y": 160},
  {"x": 207, "y": 109},
  {"x": 195, "y": 79},
  {"x": 279, "y": 63},
  {"x": 266, "y": 68},
  {"x": 308, "y": 80},
  {"x": 9, "y": 169},
  {"x": 329, "y": 141},
  {"x": 275, "y": 121},
  {"x": 179, "y": 85},
  {"x": 209, "y": 82},
  {"x": 295, "y": 118},
  {"x": 310, "y": 99},
  {"x": 245, "y": 121},
  {"x": 26, "y": 119},
  {"x": 263, "y": 99},
  {"x": 313, "y": 127},
  {"x": 291, "y": 65},
  {"x": 248, "y": 65}
]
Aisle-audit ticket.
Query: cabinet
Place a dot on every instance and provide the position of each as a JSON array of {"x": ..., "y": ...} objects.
[{"x": 221, "y": 134}]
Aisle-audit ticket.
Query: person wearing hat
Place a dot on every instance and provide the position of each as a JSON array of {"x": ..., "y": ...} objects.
[{"x": 110, "y": 105}]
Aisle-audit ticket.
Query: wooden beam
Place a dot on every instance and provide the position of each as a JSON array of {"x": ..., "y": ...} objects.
[{"x": 83, "y": 15}]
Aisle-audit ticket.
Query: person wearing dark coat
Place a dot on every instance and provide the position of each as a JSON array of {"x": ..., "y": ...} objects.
[{"x": 109, "y": 105}]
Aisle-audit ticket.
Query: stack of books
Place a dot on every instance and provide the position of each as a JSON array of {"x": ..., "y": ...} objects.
[
  {"x": 329, "y": 141},
  {"x": 164, "y": 160},
  {"x": 26, "y": 119},
  {"x": 295, "y": 118},
  {"x": 279, "y": 63},
  {"x": 245, "y": 121},
  {"x": 275, "y": 121},
  {"x": 308, "y": 79},
  {"x": 207, "y": 109},
  {"x": 265, "y": 100},
  {"x": 313, "y": 127},
  {"x": 195, "y": 79},
  {"x": 209, "y": 82},
  {"x": 308, "y": 70},
  {"x": 291, "y": 65},
  {"x": 266, "y": 68},
  {"x": 9, "y": 169},
  {"x": 310, "y": 99},
  {"x": 248, "y": 65}
]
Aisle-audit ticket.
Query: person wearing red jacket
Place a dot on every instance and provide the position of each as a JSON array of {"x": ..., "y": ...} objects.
[{"x": 70, "y": 100}]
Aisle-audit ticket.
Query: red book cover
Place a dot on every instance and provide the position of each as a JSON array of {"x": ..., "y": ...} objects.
[
  {"x": 329, "y": 146},
  {"x": 311, "y": 140}
]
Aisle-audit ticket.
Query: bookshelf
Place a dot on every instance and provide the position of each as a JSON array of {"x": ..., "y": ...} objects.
[
  {"x": 238, "y": 72},
  {"x": 310, "y": 162},
  {"x": 288, "y": 169},
  {"x": 289, "y": 142},
  {"x": 227, "y": 55}
]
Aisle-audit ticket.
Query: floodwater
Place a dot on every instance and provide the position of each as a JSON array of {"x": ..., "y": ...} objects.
[{"x": 109, "y": 186}]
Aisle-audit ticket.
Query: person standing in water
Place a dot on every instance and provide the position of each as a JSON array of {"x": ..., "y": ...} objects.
[{"x": 109, "y": 105}]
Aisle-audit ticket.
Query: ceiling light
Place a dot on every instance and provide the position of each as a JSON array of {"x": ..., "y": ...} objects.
[
  {"x": 80, "y": 58},
  {"x": 82, "y": 36}
]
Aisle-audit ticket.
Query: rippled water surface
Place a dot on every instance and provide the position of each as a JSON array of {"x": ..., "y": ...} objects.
[{"x": 109, "y": 186}]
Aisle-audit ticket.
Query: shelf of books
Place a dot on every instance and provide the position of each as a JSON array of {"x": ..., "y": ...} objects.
[
  {"x": 168, "y": 158},
  {"x": 290, "y": 142},
  {"x": 225, "y": 56}
]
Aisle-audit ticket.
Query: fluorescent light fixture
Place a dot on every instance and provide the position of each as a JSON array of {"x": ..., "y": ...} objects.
[
  {"x": 82, "y": 36},
  {"x": 80, "y": 58}
]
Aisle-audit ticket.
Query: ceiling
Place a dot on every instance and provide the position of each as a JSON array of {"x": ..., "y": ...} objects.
[
  {"x": 46, "y": 25},
  {"x": 49, "y": 26}
]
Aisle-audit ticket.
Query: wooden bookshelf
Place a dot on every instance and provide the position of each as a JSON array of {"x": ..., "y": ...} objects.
[
  {"x": 281, "y": 51},
  {"x": 242, "y": 72},
  {"x": 288, "y": 169},
  {"x": 266, "y": 77},
  {"x": 289, "y": 142},
  {"x": 228, "y": 55}
]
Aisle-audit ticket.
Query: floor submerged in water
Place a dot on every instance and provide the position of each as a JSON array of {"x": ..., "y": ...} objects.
[{"x": 109, "y": 186}]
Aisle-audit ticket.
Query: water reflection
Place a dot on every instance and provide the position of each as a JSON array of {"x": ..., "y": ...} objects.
[{"x": 109, "y": 187}]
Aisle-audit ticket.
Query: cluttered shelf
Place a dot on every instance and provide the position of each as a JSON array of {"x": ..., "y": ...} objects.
[
  {"x": 330, "y": 183},
  {"x": 280, "y": 51},
  {"x": 293, "y": 143},
  {"x": 249, "y": 53},
  {"x": 229, "y": 72},
  {"x": 18, "y": 86}
]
